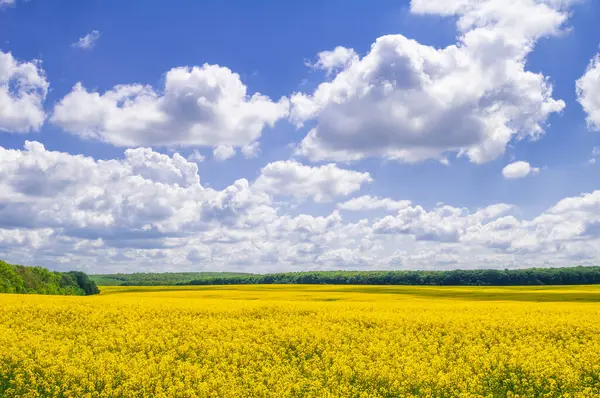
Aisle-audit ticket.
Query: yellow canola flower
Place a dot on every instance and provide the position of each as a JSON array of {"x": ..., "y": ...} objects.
[{"x": 303, "y": 341}]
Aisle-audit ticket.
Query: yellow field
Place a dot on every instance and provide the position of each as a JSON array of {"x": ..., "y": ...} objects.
[{"x": 303, "y": 341}]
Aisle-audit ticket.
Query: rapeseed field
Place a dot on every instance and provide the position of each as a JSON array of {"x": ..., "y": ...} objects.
[{"x": 303, "y": 341}]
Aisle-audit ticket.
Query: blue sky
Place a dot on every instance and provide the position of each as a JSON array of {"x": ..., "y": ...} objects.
[{"x": 280, "y": 50}]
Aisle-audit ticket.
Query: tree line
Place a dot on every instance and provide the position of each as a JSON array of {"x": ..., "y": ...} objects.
[
  {"x": 479, "y": 277},
  {"x": 156, "y": 279},
  {"x": 39, "y": 280}
]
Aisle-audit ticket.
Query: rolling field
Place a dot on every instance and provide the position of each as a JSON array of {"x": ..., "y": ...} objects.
[{"x": 303, "y": 341}]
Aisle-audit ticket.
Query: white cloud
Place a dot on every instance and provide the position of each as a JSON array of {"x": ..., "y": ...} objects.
[
  {"x": 595, "y": 153},
  {"x": 519, "y": 169},
  {"x": 162, "y": 168},
  {"x": 23, "y": 89},
  {"x": 588, "y": 93},
  {"x": 322, "y": 184},
  {"x": 88, "y": 41},
  {"x": 147, "y": 195},
  {"x": 251, "y": 150},
  {"x": 368, "y": 203},
  {"x": 408, "y": 101},
  {"x": 339, "y": 58},
  {"x": 200, "y": 106},
  {"x": 33, "y": 239},
  {"x": 196, "y": 156},
  {"x": 148, "y": 211},
  {"x": 544, "y": 16},
  {"x": 223, "y": 152},
  {"x": 443, "y": 224}
]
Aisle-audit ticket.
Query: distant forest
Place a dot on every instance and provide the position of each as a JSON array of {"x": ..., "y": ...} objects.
[
  {"x": 157, "y": 279},
  {"x": 38, "y": 280},
  {"x": 483, "y": 277}
]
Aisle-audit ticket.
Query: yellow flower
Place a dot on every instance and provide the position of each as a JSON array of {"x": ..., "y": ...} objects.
[{"x": 291, "y": 341}]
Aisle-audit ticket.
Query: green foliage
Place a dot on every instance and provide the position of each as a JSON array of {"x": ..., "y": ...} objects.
[
  {"x": 38, "y": 280},
  {"x": 483, "y": 277},
  {"x": 10, "y": 282},
  {"x": 84, "y": 282},
  {"x": 157, "y": 279}
]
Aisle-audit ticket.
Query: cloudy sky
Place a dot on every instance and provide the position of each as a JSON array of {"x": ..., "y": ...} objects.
[{"x": 271, "y": 136}]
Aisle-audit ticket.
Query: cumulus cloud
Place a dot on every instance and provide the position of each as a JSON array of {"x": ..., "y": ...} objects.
[
  {"x": 23, "y": 89},
  {"x": 88, "y": 41},
  {"x": 147, "y": 195},
  {"x": 223, "y": 152},
  {"x": 588, "y": 93},
  {"x": 251, "y": 150},
  {"x": 519, "y": 169},
  {"x": 34, "y": 239},
  {"x": 339, "y": 58},
  {"x": 149, "y": 211},
  {"x": 368, "y": 203},
  {"x": 196, "y": 156},
  {"x": 443, "y": 224},
  {"x": 199, "y": 106},
  {"x": 321, "y": 184},
  {"x": 407, "y": 101}
]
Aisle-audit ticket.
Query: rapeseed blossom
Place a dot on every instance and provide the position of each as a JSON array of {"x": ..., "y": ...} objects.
[{"x": 297, "y": 341}]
